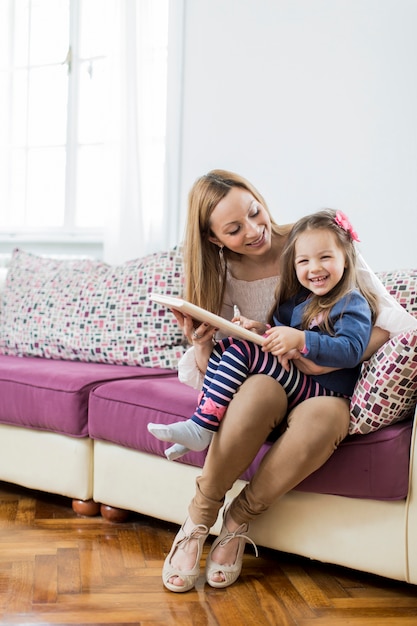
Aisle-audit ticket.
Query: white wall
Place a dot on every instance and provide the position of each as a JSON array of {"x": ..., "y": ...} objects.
[{"x": 315, "y": 101}]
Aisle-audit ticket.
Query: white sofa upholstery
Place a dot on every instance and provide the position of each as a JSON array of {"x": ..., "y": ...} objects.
[{"x": 370, "y": 535}]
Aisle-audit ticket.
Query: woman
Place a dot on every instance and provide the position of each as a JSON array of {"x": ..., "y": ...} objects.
[{"x": 232, "y": 257}]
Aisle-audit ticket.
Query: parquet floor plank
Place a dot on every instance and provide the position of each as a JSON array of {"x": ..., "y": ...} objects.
[
  {"x": 361, "y": 621},
  {"x": 307, "y": 588},
  {"x": 329, "y": 585},
  {"x": 131, "y": 549},
  {"x": 271, "y": 610},
  {"x": 45, "y": 579},
  {"x": 19, "y": 594},
  {"x": 290, "y": 597},
  {"x": 25, "y": 513},
  {"x": 60, "y": 569}
]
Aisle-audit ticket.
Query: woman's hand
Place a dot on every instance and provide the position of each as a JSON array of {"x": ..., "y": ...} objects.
[
  {"x": 309, "y": 367},
  {"x": 180, "y": 317},
  {"x": 306, "y": 366},
  {"x": 201, "y": 337}
]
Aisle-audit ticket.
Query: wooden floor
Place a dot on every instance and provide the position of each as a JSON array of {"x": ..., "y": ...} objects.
[{"x": 57, "y": 568}]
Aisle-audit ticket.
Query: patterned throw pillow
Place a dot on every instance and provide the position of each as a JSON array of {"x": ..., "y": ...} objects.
[
  {"x": 386, "y": 391},
  {"x": 402, "y": 284},
  {"x": 89, "y": 311}
]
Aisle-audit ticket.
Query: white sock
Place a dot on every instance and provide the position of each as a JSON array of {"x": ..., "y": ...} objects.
[
  {"x": 187, "y": 433},
  {"x": 176, "y": 451}
]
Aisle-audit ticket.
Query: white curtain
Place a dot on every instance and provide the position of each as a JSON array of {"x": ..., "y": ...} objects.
[{"x": 144, "y": 211}]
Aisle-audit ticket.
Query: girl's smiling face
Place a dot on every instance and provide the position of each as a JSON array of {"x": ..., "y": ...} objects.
[
  {"x": 241, "y": 224},
  {"x": 320, "y": 262}
]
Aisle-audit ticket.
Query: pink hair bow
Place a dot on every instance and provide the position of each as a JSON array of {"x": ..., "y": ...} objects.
[{"x": 342, "y": 220}]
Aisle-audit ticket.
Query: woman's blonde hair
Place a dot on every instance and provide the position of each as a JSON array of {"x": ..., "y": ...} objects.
[
  {"x": 205, "y": 268},
  {"x": 319, "y": 306}
]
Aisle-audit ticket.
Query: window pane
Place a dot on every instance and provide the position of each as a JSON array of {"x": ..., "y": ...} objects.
[
  {"x": 16, "y": 216},
  {"x": 92, "y": 102},
  {"x": 37, "y": 189},
  {"x": 95, "y": 16},
  {"x": 48, "y": 106},
  {"x": 41, "y": 31},
  {"x": 18, "y": 112},
  {"x": 94, "y": 189},
  {"x": 49, "y": 24},
  {"x": 4, "y": 36},
  {"x": 21, "y": 33},
  {"x": 46, "y": 188}
]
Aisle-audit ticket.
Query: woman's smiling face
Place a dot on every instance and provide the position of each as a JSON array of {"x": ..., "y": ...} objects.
[{"x": 241, "y": 224}]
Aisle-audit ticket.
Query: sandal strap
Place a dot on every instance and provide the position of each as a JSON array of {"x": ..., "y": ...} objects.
[
  {"x": 197, "y": 532},
  {"x": 239, "y": 533}
]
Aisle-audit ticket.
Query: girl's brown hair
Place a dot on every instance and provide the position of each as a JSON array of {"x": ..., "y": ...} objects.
[
  {"x": 205, "y": 270},
  {"x": 319, "y": 306}
]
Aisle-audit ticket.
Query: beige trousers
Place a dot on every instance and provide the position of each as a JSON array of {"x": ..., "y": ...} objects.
[{"x": 314, "y": 430}]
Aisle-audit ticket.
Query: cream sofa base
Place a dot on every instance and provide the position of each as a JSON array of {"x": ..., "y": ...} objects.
[
  {"x": 47, "y": 461},
  {"x": 369, "y": 535}
]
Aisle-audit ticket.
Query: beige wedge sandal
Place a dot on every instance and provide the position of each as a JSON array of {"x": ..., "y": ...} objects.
[
  {"x": 230, "y": 572},
  {"x": 199, "y": 533}
]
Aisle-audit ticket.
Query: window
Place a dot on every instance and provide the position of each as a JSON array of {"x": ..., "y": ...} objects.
[{"x": 59, "y": 78}]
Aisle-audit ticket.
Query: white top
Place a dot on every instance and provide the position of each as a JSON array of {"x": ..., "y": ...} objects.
[{"x": 256, "y": 298}]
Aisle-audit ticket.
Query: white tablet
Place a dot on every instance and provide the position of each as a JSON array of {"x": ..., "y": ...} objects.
[{"x": 197, "y": 313}]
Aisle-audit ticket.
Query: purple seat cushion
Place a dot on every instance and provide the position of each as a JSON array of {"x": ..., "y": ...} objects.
[
  {"x": 119, "y": 413},
  {"x": 47, "y": 394},
  {"x": 364, "y": 466}
]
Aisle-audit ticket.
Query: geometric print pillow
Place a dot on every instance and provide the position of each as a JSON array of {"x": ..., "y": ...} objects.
[
  {"x": 402, "y": 285},
  {"x": 386, "y": 391},
  {"x": 87, "y": 310}
]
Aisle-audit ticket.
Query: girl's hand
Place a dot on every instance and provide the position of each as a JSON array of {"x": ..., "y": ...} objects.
[{"x": 281, "y": 339}]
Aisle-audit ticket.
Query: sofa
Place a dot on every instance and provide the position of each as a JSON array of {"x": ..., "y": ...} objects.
[{"x": 87, "y": 360}]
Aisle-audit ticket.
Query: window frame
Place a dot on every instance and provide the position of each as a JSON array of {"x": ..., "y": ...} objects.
[{"x": 68, "y": 237}]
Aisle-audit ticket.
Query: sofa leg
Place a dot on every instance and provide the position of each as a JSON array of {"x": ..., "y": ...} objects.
[
  {"x": 88, "y": 508},
  {"x": 113, "y": 514}
]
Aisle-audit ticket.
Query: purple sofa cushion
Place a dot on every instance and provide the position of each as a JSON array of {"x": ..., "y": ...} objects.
[
  {"x": 364, "y": 466},
  {"x": 120, "y": 413},
  {"x": 47, "y": 394},
  {"x": 373, "y": 466}
]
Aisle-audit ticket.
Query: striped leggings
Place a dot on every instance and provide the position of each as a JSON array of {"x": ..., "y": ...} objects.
[{"x": 230, "y": 363}]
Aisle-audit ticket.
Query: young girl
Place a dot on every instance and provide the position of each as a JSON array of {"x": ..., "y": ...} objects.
[{"x": 322, "y": 312}]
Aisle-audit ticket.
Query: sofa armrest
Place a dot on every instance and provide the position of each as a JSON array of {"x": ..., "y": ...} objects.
[{"x": 411, "y": 517}]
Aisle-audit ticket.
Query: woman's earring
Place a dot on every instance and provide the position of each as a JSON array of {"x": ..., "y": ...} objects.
[{"x": 221, "y": 255}]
